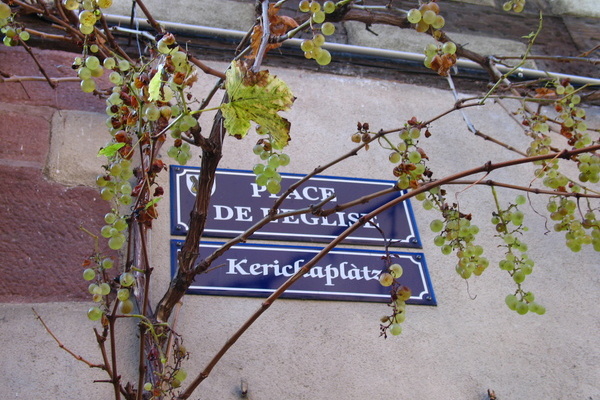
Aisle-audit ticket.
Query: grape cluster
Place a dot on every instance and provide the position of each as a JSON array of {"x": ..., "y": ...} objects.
[
  {"x": 456, "y": 233},
  {"x": 573, "y": 125},
  {"x": 589, "y": 167},
  {"x": 509, "y": 225},
  {"x": 312, "y": 48},
  {"x": 101, "y": 286},
  {"x": 399, "y": 295},
  {"x": 91, "y": 10},
  {"x": 266, "y": 174},
  {"x": 440, "y": 58},
  {"x": 515, "y": 5},
  {"x": 577, "y": 232},
  {"x": 426, "y": 17},
  {"x": 11, "y": 30}
]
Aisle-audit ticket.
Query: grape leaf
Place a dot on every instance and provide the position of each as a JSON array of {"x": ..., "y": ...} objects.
[
  {"x": 256, "y": 97},
  {"x": 111, "y": 150},
  {"x": 154, "y": 92}
]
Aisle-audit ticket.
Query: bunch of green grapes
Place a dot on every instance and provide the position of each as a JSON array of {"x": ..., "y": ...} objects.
[
  {"x": 515, "y": 5},
  {"x": 440, "y": 58},
  {"x": 266, "y": 174},
  {"x": 426, "y": 17},
  {"x": 589, "y": 167},
  {"x": 312, "y": 47},
  {"x": 399, "y": 295},
  {"x": 409, "y": 158},
  {"x": 509, "y": 225},
  {"x": 577, "y": 232},
  {"x": 91, "y": 10},
  {"x": 12, "y": 31},
  {"x": 573, "y": 125}
]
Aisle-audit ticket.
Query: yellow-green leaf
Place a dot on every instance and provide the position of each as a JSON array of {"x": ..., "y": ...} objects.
[
  {"x": 154, "y": 92},
  {"x": 256, "y": 97},
  {"x": 110, "y": 150}
]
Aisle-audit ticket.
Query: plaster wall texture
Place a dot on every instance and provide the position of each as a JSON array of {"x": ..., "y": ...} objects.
[{"x": 325, "y": 349}]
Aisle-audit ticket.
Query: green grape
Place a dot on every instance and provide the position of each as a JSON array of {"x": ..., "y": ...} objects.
[
  {"x": 116, "y": 242},
  {"x": 436, "y": 225},
  {"x": 511, "y": 301},
  {"x": 396, "y": 270},
  {"x": 399, "y": 318},
  {"x": 148, "y": 386},
  {"x": 87, "y": 18},
  {"x": 395, "y": 157},
  {"x": 318, "y": 17},
  {"x": 522, "y": 308},
  {"x": 98, "y": 72},
  {"x": 413, "y": 16},
  {"x": 120, "y": 224},
  {"x": 104, "y": 3},
  {"x": 115, "y": 78},
  {"x": 180, "y": 375},
  {"x": 414, "y": 157},
  {"x": 152, "y": 112},
  {"x": 109, "y": 63},
  {"x": 88, "y": 85},
  {"x": 126, "y": 307},
  {"x": 93, "y": 288},
  {"x": 537, "y": 308},
  {"x": 324, "y": 57},
  {"x": 414, "y": 133},
  {"x": 258, "y": 169},
  {"x": 307, "y": 45},
  {"x": 328, "y": 29},
  {"x": 88, "y": 5},
  {"x": 284, "y": 160},
  {"x": 126, "y": 279},
  {"x": 329, "y": 7},
  {"x": 395, "y": 329},
  {"x": 318, "y": 40},
  {"x": 94, "y": 313},
  {"x": 446, "y": 249},
  {"x": 520, "y": 200},
  {"x": 89, "y": 274},
  {"x": 315, "y": 6},
  {"x": 24, "y": 35},
  {"x": 273, "y": 161},
  {"x": 273, "y": 186},
  {"x": 5, "y": 10},
  {"x": 123, "y": 294},
  {"x": 123, "y": 65},
  {"x": 429, "y": 17},
  {"x": 304, "y": 6},
  {"x": 439, "y": 22},
  {"x": 386, "y": 279},
  {"x": 94, "y": 48},
  {"x": 439, "y": 240},
  {"x": 431, "y": 50},
  {"x": 519, "y": 277},
  {"x": 449, "y": 48},
  {"x": 261, "y": 179},
  {"x": 84, "y": 73},
  {"x": 107, "y": 263},
  {"x": 104, "y": 288},
  {"x": 110, "y": 218}
]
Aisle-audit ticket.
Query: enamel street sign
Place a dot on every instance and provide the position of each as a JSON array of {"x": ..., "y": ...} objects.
[
  {"x": 257, "y": 270},
  {"x": 237, "y": 203}
]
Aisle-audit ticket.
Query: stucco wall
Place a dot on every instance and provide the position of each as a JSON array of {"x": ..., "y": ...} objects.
[{"x": 325, "y": 349}]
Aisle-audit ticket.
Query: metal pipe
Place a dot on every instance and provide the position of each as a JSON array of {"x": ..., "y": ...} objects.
[{"x": 351, "y": 49}]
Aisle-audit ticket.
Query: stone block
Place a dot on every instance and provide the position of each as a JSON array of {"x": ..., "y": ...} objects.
[
  {"x": 25, "y": 134},
  {"x": 43, "y": 245},
  {"x": 75, "y": 140}
]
